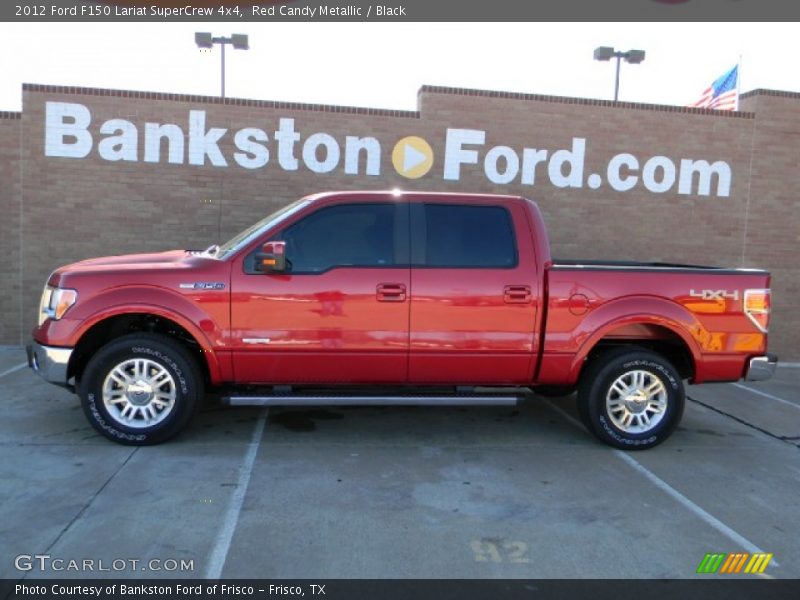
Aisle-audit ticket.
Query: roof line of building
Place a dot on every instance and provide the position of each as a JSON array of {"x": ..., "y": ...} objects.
[
  {"x": 437, "y": 89},
  {"x": 141, "y": 95},
  {"x": 768, "y": 92},
  {"x": 383, "y": 112}
]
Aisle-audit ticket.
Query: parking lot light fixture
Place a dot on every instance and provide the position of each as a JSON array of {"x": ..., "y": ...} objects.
[
  {"x": 239, "y": 41},
  {"x": 605, "y": 53}
]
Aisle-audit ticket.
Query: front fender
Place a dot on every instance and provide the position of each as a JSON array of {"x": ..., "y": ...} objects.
[{"x": 207, "y": 331}]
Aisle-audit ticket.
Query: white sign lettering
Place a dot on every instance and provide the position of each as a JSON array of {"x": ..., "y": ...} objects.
[
  {"x": 66, "y": 130},
  {"x": 204, "y": 142},
  {"x": 154, "y": 133},
  {"x": 70, "y": 133}
]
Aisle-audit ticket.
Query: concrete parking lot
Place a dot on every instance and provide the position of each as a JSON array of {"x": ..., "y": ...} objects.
[{"x": 522, "y": 492}]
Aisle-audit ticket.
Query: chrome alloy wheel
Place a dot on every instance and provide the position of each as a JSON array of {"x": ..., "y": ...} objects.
[
  {"x": 139, "y": 393},
  {"x": 636, "y": 401}
]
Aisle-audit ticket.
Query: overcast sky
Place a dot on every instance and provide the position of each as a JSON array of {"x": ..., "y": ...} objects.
[{"x": 382, "y": 65}]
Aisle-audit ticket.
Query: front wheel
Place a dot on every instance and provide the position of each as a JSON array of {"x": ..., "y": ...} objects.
[
  {"x": 140, "y": 389},
  {"x": 631, "y": 398}
]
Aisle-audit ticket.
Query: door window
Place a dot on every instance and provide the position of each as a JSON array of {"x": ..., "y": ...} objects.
[
  {"x": 346, "y": 235},
  {"x": 466, "y": 236}
]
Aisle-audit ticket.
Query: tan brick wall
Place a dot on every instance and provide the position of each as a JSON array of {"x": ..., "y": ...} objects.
[
  {"x": 10, "y": 259},
  {"x": 78, "y": 208},
  {"x": 773, "y": 231}
]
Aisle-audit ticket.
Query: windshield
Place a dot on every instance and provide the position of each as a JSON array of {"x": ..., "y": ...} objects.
[{"x": 248, "y": 235}]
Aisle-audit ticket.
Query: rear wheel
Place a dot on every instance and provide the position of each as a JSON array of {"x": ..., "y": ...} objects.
[
  {"x": 140, "y": 389},
  {"x": 631, "y": 398}
]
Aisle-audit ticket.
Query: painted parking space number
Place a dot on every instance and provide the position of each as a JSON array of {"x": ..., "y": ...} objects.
[{"x": 500, "y": 551}]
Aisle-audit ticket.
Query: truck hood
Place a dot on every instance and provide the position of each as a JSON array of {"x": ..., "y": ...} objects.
[
  {"x": 156, "y": 261},
  {"x": 171, "y": 257}
]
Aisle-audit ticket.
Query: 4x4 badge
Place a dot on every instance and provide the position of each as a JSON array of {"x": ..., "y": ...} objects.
[{"x": 714, "y": 294}]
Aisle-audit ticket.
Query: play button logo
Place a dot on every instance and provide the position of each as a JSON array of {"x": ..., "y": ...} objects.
[{"x": 412, "y": 157}]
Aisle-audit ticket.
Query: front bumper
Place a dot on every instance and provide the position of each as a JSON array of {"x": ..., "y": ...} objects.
[
  {"x": 49, "y": 362},
  {"x": 761, "y": 367}
]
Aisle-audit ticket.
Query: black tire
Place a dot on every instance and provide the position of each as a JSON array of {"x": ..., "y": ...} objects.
[
  {"x": 183, "y": 388},
  {"x": 621, "y": 366}
]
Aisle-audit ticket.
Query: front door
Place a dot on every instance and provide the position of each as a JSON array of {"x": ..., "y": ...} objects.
[{"x": 339, "y": 314}]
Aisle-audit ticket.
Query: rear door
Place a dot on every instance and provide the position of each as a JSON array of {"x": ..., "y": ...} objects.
[
  {"x": 474, "y": 293},
  {"x": 340, "y": 313}
]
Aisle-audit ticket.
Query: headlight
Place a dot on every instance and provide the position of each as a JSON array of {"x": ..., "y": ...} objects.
[
  {"x": 55, "y": 302},
  {"x": 44, "y": 303}
]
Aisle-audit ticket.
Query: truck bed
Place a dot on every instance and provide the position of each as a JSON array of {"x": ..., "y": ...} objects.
[
  {"x": 700, "y": 308},
  {"x": 630, "y": 265}
]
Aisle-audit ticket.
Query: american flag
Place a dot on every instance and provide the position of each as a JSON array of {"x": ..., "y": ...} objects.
[{"x": 723, "y": 94}]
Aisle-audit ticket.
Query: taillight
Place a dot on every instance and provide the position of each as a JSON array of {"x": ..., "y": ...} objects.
[{"x": 756, "y": 307}]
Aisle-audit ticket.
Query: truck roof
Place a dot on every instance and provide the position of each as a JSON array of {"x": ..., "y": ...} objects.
[{"x": 411, "y": 196}]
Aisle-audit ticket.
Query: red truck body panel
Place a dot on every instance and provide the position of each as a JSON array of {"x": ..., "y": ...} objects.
[
  {"x": 333, "y": 321},
  {"x": 533, "y": 323},
  {"x": 622, "y": 302},
  {"x": 462, "y": 326}
]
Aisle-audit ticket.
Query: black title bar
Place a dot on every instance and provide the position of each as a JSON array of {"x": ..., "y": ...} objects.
[
  {"x": 730, "y": 588},
  {"x": 400, "y": 10}
]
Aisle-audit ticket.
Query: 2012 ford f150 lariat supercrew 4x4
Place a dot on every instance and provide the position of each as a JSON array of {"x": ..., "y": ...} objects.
[{"x": 395, "y": 298}]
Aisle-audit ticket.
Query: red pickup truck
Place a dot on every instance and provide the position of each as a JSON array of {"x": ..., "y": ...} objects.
[{"x": 395, "y": 298}]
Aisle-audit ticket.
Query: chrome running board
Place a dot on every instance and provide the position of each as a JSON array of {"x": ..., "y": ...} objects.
[{"x": 320, "y": 400}]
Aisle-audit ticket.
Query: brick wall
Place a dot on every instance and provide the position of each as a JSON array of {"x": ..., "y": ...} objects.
[
  {"x": 77, "y": 208},
  {"x": 773, "y": 232},
  {"x": 10, "y": 197}
]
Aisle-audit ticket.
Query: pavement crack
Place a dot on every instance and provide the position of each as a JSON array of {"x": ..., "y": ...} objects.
[
  {"x": 88, "y": 504},
  {"x": 780, "y": 438}
]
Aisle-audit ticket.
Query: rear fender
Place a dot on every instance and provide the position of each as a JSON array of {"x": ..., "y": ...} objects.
[{"x": 637, "y": 310}]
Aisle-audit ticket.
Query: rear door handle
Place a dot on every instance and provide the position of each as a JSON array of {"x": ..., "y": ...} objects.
[
  {"x": 517, "y": 294},
  {"x": 391, "y": 292}
]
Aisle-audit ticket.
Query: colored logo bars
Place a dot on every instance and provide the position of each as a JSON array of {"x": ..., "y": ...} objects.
[{"x": 735, "y": 562}]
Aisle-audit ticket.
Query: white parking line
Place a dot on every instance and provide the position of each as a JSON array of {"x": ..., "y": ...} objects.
[
  {"x": 737, "y": 538},
  {"x": 13, "y": 369},
  {"x": 766, "y": 395},
  {"x": 219, "y": 554}
]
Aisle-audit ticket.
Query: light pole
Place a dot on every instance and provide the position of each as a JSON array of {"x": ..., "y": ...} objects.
[
  {"x": 633, "y": 57},
  {"x": 206, "y": 40}
]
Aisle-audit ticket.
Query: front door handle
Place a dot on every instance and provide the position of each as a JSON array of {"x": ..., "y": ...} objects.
[
  {"x": 391, "y": 292},
  {"x": 517, "y": 294}
]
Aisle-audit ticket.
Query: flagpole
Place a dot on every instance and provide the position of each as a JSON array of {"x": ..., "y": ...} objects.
[{"x": 738, "y": 81}]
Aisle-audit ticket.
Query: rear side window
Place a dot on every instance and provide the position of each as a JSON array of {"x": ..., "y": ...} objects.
[
  {"x": 347, "y": 235},
  {"x": 465, "y": 236}
]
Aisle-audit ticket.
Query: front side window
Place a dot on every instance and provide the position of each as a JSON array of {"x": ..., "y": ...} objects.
[
  {"x": 466, "y": 236},
  {"x": 346, "y": 235},
  {"x": 248, "y": 235}
]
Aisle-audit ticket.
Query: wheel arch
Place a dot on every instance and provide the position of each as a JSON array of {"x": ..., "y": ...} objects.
[
  {"x": 108, "y": 327},
  {"x": 666, "y": 332}
]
